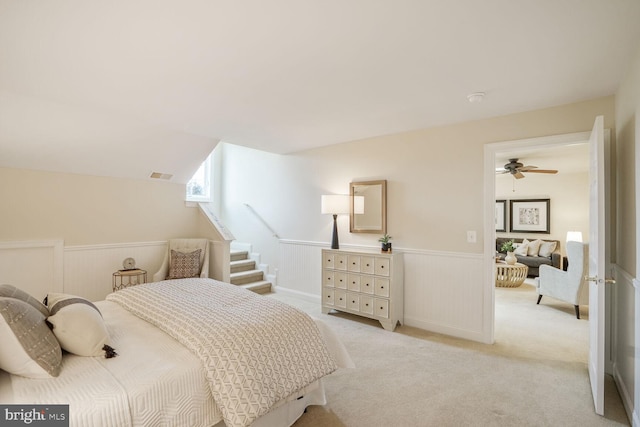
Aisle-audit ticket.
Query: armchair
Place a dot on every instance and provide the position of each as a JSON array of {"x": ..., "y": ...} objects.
[
  {"x": 184, "y": 247},
  {"x": 569, "y": 286}
]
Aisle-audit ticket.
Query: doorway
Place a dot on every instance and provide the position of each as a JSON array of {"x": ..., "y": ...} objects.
[
  {"x": 549, "y": 330},
  {"x": 518, "y": 149}
]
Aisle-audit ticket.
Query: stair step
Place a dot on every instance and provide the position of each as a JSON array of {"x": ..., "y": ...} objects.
[
  {"x": 248, "y": 276},
  {"x": 242, "y": 265},
  {"x": 239, "y": 255},
  {"x": 261, "y": 287}
]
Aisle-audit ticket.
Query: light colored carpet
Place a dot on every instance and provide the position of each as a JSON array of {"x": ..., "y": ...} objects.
[{"x": 534, "y": 375}]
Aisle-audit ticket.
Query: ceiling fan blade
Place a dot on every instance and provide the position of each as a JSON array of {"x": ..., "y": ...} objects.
[
  {"x": 527, "y": 168},
  {"x": 543, "y": 171},
  {"x": 518, "y": 175}
]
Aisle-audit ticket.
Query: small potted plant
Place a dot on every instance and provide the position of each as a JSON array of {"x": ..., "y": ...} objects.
[
  {"x": 509, "y": 247},
  {"x": 386, "y": 244}
]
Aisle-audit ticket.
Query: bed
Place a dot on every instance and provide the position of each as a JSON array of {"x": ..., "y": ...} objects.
[{"x": 192, "y": 352}]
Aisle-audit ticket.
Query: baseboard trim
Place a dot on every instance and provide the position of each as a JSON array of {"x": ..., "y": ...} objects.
[
  {"x": 477, "y": 336},
  {"x": 302, "y": 295}
]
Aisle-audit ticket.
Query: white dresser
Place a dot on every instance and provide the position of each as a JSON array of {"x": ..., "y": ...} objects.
[{"x": 368, "y": 284}]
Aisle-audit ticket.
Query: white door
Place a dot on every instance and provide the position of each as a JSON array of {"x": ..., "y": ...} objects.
[{"x": 597, "y": 263}]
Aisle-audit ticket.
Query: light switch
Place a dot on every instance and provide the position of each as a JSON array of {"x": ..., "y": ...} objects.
[{"x": 471, "y": 236}]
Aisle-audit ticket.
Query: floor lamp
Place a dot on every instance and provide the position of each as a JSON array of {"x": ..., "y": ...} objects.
[{"x": 335, "y": 204}]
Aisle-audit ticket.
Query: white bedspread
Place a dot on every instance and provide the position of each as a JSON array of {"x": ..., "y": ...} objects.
[
  {"x": 256, "y": 351},
  {"x": 154, "y": 381}
]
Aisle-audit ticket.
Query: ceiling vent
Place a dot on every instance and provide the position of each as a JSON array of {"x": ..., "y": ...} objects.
[{"x": 159, "y": 175}]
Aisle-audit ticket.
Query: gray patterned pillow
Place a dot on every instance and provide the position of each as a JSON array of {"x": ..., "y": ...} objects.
[
  {"x": 13, "y": 292},
  {"x": 28, "y": 348},
  {"x": 184, "y": 264}
]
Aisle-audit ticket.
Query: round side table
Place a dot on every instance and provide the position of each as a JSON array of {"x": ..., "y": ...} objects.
[{"x": 510, "y": 276}]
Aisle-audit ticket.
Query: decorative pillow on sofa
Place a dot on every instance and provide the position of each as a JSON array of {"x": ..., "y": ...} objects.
[
  {"x": 28, "y": 347},
  {"x": 521, "y": 248},
  {"x": 78, "y": 325},
  {"x": 184, "y": 264},
  {"x": 547, "y": 248},
  {"x": 533, "y": 248},
  {"x": 13, "y": 292}
]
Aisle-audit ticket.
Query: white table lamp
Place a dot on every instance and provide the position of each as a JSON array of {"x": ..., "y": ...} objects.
[
  {"x": 335, "y": 204},
  {"x": 574, "y": 236}
]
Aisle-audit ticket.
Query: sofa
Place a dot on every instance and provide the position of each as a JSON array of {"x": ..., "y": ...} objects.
[{"x": 531, "y": 261}]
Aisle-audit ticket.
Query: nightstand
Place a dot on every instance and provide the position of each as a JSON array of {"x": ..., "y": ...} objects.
[{"x": 125, "y": 278}]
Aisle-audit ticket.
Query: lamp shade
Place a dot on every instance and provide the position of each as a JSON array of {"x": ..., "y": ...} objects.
[
  {"x": 335, "y": 204},
  {"x": 574, "y": 236}
]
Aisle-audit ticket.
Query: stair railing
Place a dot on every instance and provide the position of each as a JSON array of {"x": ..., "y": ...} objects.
[{"x": 257, "y": 215}]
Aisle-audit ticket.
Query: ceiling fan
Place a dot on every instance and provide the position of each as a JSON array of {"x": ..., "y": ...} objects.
[{"x": 517, "y": 169}]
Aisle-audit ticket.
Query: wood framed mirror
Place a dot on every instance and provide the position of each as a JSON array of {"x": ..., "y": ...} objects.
[{"x": 368, "y": 213}]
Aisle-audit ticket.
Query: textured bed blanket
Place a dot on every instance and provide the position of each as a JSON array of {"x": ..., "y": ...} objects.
[{"x": 255, "y": 350}]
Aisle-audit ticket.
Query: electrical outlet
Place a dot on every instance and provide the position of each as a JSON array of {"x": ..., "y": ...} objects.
[{"x": 471, "y": 236}]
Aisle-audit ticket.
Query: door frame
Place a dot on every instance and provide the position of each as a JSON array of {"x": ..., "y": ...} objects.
[{"x": 490, "y": 152}]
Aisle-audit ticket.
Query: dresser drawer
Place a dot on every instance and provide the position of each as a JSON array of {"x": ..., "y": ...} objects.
[
  {"x": 328, "y": 260},
  {"x": 353, "y": 301},
  {"x": 353, "y": 282},
  {"x": 381, "y": 287},
  {"x": 382, "y": 266},
  {"x": 340, "y": 298},
  {"x": 366, "y": 264},
  {"x": 367, "y": 284},
  {"x": 366, "y": 304},
  {"x": 340, "y": 261},
  {"x": 328, "y": 278},
  {"x": 353, "y": 263},
  {"x": 328, "y": 296},
  {"x": 340, "y": 279},
  {"x": 381, "y": 307}
]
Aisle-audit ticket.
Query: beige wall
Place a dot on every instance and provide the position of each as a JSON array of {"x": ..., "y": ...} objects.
[
  {"x": 627, "y": 115},
  {"x": 86, "y": 210},
  {"x": 435, "y": 180}
]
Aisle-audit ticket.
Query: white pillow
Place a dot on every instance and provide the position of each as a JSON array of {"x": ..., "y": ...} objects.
[
  {"x": 522, "y": 248},
  {"x": 534, "y": 247},
  {"x": 28, "y": 347},
  {"x": 77, "y": 324},
  {"x": 547, "y": 248}
]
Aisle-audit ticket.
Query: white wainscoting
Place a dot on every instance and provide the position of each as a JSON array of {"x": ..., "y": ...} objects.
[
  {"x": 443, "y": 291},
  {"x": 88, "y": 270},
  {"x": 34, "y": 266},
  {"x": 42, "y": 266},
  {"x": 625, "y": 293}
]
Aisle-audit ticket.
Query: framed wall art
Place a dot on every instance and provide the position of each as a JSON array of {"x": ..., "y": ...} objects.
[
  {"x": 530, "y": 216},
  {"x": 501, "y": 215}
]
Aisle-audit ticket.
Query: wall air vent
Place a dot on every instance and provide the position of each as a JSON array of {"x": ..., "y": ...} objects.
[{"x": 159, "y": 175}]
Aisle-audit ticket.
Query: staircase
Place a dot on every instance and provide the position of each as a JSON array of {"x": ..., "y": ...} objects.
[{"x": 245, "y": 274}]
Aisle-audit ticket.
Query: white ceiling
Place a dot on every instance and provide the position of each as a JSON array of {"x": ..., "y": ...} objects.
[{"x": 123, "y": 88}]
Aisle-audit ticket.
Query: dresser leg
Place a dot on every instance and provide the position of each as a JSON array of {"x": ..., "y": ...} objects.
[{"x": 388, "y": 325}]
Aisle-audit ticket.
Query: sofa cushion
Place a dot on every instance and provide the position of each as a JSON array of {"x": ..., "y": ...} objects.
[
  {"x": 547, "y": 248},
  {"x": 533, "y": 247},
  {"x": 522, "y": 248}
]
